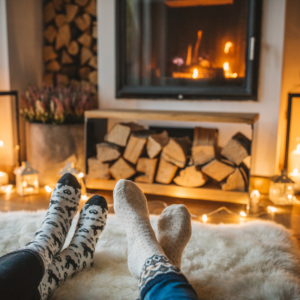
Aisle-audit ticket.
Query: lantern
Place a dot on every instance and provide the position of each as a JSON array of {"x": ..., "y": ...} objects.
[
  {"x": 282, "y": 189},
  {"x": 27, "y": 180},
  {"x": 68, "y": 168}
]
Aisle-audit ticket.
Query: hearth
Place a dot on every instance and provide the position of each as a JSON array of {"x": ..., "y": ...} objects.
[{"x": 188, "y": 49}]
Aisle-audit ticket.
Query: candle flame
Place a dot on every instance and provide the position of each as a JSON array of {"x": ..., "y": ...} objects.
[
  {"x": 1, "y": 143},
  {"x": 228, "y": 45},
  {"x": 195, "y": 73},
  {"x": 295, "y": 172}
]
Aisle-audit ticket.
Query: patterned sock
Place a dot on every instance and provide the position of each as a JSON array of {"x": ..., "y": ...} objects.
[
  {"x": 174, "y": 230},
  {"x": 80, "y": 252},
  {"x": 50, "y": 238},
  {"x": 131, "y": 207},
  {"x": 156, "y": 269}
]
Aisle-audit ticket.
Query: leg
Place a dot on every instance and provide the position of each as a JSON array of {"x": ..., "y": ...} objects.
[
  {"x": 25, "y": 267},
  {"x": 158, "y": 277},
  {"x": 80, "y": 253}
]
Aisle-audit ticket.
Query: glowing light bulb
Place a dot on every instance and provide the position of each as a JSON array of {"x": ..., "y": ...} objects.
[
  {"x": 1, "y": 143},
  {"x": 84, "y": 197},
  {"x": 271, "y": 209},
  {"x": 195, "y": 73},
  {"x": 48, "y": 189},
  {"x": 204, "y": 218},
  {"x": 243, "y": 214}
]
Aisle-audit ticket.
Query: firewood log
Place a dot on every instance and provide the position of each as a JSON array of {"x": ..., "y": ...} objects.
[
  {"x": 63, "y": 37},
  {"x": 85, "y": 39},
  {"x": 95, "y": 48},
  {"x": 93, "y": 77},
  {"x": 49, "y": 12},
  {"x": 82, "y": 2},
  {"x": 53, "y": 66},
  {"x": 73, "y": 48},
  {"x": 50, "y": 34},
  {"x": 93, "y": 62},
  {"x": 60, "y": 20},
  {"x": 91, "y": 8},
  {"x": 235, "y": 182},
  {"x": 49, "y": 53},
  {"x": 247, "y": 161},
  {"x": 156, "y": 142},
  {"x": 58, "y": 4},
  {"x": 121, "y": 170},
  {"x": 120, "y": 132},
  {"x": 94, "y": 30},
  {"x": 176, "y": 151},
  {"x": 237, "y": 149},
  {"x": 84, "y": 73},
  {"x": 62, "y": 80},
  {"x": 71, "y": 11},
  {"x": 217, "y": 170},
  {"x": 204, "y": 144},
  {"x": 65, "y": 58},
  {"x": 86, "y": 54},
  {"x": 148, "y": 167},
  {"x": 165, "y": 172},
  {"x": 97, "y": 169},
  {"x": 107, "y": 152},
  {"x": 134, "y": 148},
  {"x": 190, "y": 177},
  {"x": 83, "y": 22}
]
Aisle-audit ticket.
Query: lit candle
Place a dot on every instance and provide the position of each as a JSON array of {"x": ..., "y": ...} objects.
[
  {"x": 3, "y": 178},
  {"x": 295, "y": 176},
  {"x": 295, "y": 159}
]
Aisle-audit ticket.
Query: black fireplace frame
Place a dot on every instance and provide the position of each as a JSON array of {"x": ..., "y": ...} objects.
[{"x": 247, "y": 92}]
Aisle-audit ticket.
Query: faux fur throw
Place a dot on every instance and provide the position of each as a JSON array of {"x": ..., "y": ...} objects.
[{"x": 255, "y": 260}]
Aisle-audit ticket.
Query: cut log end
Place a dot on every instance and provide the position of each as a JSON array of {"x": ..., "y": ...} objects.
[
  {"x": 148, "y": 167},
  {"x": 121, "y": 170},
  {"x": 217, "y": 170},
  {"x": 190, "y": 177},
  {"x": 165, "y": 172},
  {"x": 97, "y": 169},
  {"x": 107, "y": 152},
  {"x": 235, "y": 182},
  {"x": 134, "y": 148}
]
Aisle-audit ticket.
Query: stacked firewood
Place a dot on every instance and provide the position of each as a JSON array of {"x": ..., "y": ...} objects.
[
  {"x": 70, "y": 41},
  {"x": 131, "y": 152}
]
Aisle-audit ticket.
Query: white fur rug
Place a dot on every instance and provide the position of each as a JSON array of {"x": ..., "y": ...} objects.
[{"x": 255, "y": 260}]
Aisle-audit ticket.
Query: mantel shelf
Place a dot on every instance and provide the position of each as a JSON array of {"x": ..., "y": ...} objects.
[{"x": 190, "y": 116}]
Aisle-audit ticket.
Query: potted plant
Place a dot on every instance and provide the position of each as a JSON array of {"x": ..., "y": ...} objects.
[{"x": 54, "y": 127}]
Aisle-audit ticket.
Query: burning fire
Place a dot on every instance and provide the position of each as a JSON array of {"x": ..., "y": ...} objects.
[
  {"x": 228, "y": 45},
  {"x": 195, "y": 73},
  {"x": 227, "y": 71}
]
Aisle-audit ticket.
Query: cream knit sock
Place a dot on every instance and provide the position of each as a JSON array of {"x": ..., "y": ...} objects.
[
  {"x": 174, "y": 230},
  {"x": 130, "y": 206}
]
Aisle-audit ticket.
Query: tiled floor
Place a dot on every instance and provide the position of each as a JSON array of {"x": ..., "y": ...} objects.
[{"x": 288, "y": 216}]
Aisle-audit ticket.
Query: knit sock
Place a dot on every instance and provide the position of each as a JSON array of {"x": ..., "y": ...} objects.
[
  {"x": 130, "y": 206},
  {"x": 50, "y": 238},
  {"x": 174, "y": 230},
  {"x": 80, "y": 252}
]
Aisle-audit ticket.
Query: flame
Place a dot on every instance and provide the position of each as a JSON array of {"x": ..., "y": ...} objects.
[
  {"x": 1, "y": 143},
  {"x": 298, "y": 147},
  {"x": 195, "y": 73},
  {"x": 295, "y": 172},
  {"x": 228, "y": 45},
  {"x": 226, "y": 66}
]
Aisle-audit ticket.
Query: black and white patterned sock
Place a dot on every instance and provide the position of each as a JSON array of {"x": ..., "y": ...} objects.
[
  {"x": 80, "y": 252},
  {"x": 50, "y": 238}
]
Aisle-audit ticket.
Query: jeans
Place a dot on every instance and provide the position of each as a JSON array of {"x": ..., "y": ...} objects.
[{"x": 169, "y": 286}]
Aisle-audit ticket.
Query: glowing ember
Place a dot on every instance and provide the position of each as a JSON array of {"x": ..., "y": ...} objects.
[
  {"x": 195, "y": 73},
  {"x": 228, "y": 45}
]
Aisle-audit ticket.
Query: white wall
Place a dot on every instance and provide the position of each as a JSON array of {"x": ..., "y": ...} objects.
[
  {"x": 265, "y": 141},
  {"x": 6, "y": 152}
]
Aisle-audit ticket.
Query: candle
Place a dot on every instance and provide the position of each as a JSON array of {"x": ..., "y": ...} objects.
[
  {"x": 295, "y": 176},
  {"x": 3, "y": 178}
]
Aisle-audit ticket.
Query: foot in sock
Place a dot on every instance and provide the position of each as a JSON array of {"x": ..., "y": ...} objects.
[
  {"x": 50, "y": 238},
  {"x": 80, "y": 252},
  {"x": 130, "y": 206},
  {"x": 174, "y": 231}
]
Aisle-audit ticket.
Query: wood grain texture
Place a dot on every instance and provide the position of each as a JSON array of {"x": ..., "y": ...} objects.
[
  {"x": 193, "y": 116},
  {"x": 190, "y": 177},
  {"x": 217, "y": 170},
  {"x": 121, "y": 170},
  {"x": 148, "y": 167},
  {"x": 165, "y": 172}
]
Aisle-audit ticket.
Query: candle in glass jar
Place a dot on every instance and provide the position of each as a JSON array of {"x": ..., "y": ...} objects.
[{"x": 3, "y": 178}]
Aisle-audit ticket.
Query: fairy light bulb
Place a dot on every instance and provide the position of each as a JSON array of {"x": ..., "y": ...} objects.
[
  {"x": 204, "y": 218},
  {"x": 243, "y": 214}
]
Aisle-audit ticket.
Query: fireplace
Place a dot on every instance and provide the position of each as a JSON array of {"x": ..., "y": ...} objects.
[{"x": 188, "y": 49}]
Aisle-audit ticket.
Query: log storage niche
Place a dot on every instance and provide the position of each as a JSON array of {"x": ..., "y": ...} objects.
[
  {"x": 178, "y": 162},
  {"x": 70, "y": 42}
]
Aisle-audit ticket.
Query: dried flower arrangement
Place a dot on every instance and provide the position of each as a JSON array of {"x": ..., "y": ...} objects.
[{"x": 58, "y": 105}]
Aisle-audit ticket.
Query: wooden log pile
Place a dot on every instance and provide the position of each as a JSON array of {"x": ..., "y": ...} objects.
[
  {"x": 70, "y": 41},
  {"x": 129, "y": 151}
]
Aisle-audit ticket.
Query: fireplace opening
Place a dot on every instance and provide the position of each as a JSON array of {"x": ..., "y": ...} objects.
[{"x": 188, "y": 49}]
